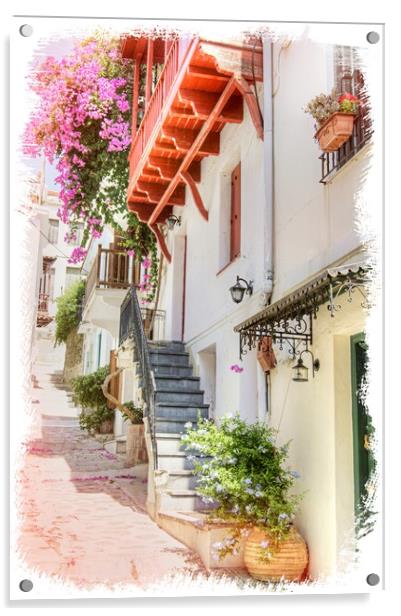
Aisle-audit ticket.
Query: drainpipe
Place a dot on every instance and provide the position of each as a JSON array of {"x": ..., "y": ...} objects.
[{"x": 268, "y": 270}]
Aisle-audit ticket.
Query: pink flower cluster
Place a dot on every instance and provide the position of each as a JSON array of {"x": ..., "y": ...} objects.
[
  {"x": 77, "y": 255},
  {"x": 236, "y": 368},
  {"x": 77, "y": 96},
  {"x": 146, "y": 285}
]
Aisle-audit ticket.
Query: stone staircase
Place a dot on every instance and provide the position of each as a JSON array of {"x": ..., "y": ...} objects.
[{"x": 179, "y": 399}]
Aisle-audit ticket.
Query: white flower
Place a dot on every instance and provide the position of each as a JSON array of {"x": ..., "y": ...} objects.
[
  {"x": 188, "y": 424},
  {"x": 264, "y": 544}
]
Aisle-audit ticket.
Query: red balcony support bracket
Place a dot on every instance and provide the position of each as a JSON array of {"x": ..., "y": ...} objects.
[
  {"x": 189, "y": 180},
  {"x": 195, "y": 147},
  {"x": 244, "y": 88},
  {"x": 162, "y": 242}
]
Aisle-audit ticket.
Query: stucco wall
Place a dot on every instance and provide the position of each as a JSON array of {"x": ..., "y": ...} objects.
[{"x": 73, "y": 356}]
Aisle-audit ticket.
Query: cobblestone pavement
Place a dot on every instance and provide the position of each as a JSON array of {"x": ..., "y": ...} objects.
[{"x": 77, "y": 523}]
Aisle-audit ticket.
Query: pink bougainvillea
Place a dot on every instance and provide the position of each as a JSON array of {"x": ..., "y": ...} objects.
[{"x": 81, "y": 124}]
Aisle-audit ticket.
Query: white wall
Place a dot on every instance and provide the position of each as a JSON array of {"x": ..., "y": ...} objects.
[{"x": 315, "y": 225}]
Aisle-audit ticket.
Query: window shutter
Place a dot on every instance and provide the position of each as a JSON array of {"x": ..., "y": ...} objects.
[{"x": 235, "y": 220}]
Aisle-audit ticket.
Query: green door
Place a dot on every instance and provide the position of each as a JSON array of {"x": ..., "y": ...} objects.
[{"x": 361, "y": 421}]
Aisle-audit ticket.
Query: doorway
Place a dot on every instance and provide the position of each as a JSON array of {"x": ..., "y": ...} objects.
[
  {"x": 361, "y": 421},
  {"x": 207, "y": 373}
]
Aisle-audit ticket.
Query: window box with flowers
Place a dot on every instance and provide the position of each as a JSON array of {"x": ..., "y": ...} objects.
[{"x": 334, "y": 116}]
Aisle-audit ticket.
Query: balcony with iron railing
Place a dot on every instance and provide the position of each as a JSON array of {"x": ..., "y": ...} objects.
[{"x": 332, "y": 162}]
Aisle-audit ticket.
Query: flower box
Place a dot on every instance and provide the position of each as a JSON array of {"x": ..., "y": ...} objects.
[{"x": 335, "y": 131}]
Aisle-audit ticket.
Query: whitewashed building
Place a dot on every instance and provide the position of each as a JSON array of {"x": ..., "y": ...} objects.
[{"x": 236, "y": 189}]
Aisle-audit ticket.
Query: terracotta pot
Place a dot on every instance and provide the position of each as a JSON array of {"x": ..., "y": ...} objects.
[
  {"x": 335, "y": 131},
  {"x": 136, "y": 445},
  {"x": 288, "y": 561},
  {"x": 106, "y": 427}
]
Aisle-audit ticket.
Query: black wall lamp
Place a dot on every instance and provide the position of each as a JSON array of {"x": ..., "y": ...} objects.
[
  {"x": 300, "y": 371},
  {"x": 173, "y": 220},
  {"x": 238, "y": 290}
]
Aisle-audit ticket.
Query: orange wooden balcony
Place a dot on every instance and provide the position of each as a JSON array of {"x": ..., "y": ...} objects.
[{"x": 201, "y": 89}]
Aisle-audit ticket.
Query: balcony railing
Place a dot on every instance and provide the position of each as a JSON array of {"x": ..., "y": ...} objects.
[
  {"x": 333, "y": 161},
  {"x": 112, "y": 269},
  {"x": 132, "y": 324},
  {"x": 174, "y": 59},
  {"x": 43, "y": 302}
]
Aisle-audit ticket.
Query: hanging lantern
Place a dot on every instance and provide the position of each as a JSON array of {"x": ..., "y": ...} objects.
[{"x": 300, "y": 372}]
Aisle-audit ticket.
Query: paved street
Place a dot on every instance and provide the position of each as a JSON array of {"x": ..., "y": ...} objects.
[{"x": 78, "y": 521}]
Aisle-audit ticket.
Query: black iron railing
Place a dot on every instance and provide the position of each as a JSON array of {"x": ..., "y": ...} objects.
[
  {"x": 132, "y": 325},
  {"x": 333, "y": 161}
]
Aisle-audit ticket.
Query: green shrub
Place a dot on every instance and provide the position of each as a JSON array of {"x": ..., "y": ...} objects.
[
  {"x": 87, "y": 389},
  {"x": 67, "y": 315},
  {"x": 246, "y": 475},
  {"x": 137, "y": 411}
]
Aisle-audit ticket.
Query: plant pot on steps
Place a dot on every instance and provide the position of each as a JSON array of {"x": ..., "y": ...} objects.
[
  {"x": 288, "y": 561},
  {"x": 106, "y": 427},
  {"x": 136, "y": 445},
  {"x": 335, "y": 131}
]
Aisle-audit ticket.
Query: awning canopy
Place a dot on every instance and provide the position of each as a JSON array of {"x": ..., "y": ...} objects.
[{"x": 290, "y": 318}]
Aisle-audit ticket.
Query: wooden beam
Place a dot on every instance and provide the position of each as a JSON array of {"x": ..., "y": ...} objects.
[
  {"x": 162, "y": 242},
  {"x": 184, "y": 138},
  {"x": 202, "y": 102},
  {"x": 225, "y": 95},
  {"x": 135, "y": 93},
  {"x": 244, "y": 88},
  {"x": 149, "y": 71},
  {"x": 156, "y": 191},
  {"x": 186, "y": 176}
]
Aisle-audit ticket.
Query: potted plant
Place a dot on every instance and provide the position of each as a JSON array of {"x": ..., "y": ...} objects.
[
  {"x": 136, "y": 446},
  {"x": 246, "y": 476},
  {"x": 334, "y": 116}
]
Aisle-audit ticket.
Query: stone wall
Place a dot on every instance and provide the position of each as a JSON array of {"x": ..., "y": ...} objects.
[{"x": 73, "y": 356}]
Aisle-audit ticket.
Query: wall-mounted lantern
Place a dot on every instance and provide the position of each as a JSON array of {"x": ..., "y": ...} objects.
[
  {"x": 300, "y": 371},
  {"x": 173, "y": 220},
  {"x": 238, "y": 290}
]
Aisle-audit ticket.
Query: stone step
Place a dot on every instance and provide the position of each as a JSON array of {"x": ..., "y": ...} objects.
[
  {"x": 168, "y": 443},
  {"x": 172, "y": 370},
  {"x": 177, "y": 461},
  {"x": 188, "y": 397},
  {"x": 182, "y": 480},
  {"x": 169, "y": 345},
  {"x": 169, "y": 357},
  {"x": 179, "y": 500},
  {"x": 184, "y": 412},
  {"x": 173, "y": 425},
  {"x": 117, "y": 446},
  {"x": 177, "y": 383}
]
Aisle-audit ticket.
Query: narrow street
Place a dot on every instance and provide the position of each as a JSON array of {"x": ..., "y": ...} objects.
[{"x": 78, "y": 520}]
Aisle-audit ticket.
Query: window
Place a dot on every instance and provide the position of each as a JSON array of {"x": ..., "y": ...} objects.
[
  {"x": 349, "y": 78},
  {"x": 78, "y": 235},
  {"x": 229, "y": 217},
  {"x": 53, "y": 231},
  {"x": 235, "y": 219}
]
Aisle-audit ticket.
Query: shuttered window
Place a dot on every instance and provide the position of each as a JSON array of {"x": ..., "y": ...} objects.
[{"x": 235, "y": 218}]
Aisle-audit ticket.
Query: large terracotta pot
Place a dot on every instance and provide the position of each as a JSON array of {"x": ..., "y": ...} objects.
[
  {"x": 335, "y": 131},
  {"x": 288, "y": 561}
]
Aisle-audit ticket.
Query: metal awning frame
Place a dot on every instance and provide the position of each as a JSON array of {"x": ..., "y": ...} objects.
[{"x": 290, "y": 320}]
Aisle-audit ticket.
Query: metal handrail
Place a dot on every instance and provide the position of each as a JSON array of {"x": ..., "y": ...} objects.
[{"x": 131, "y": 324}]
